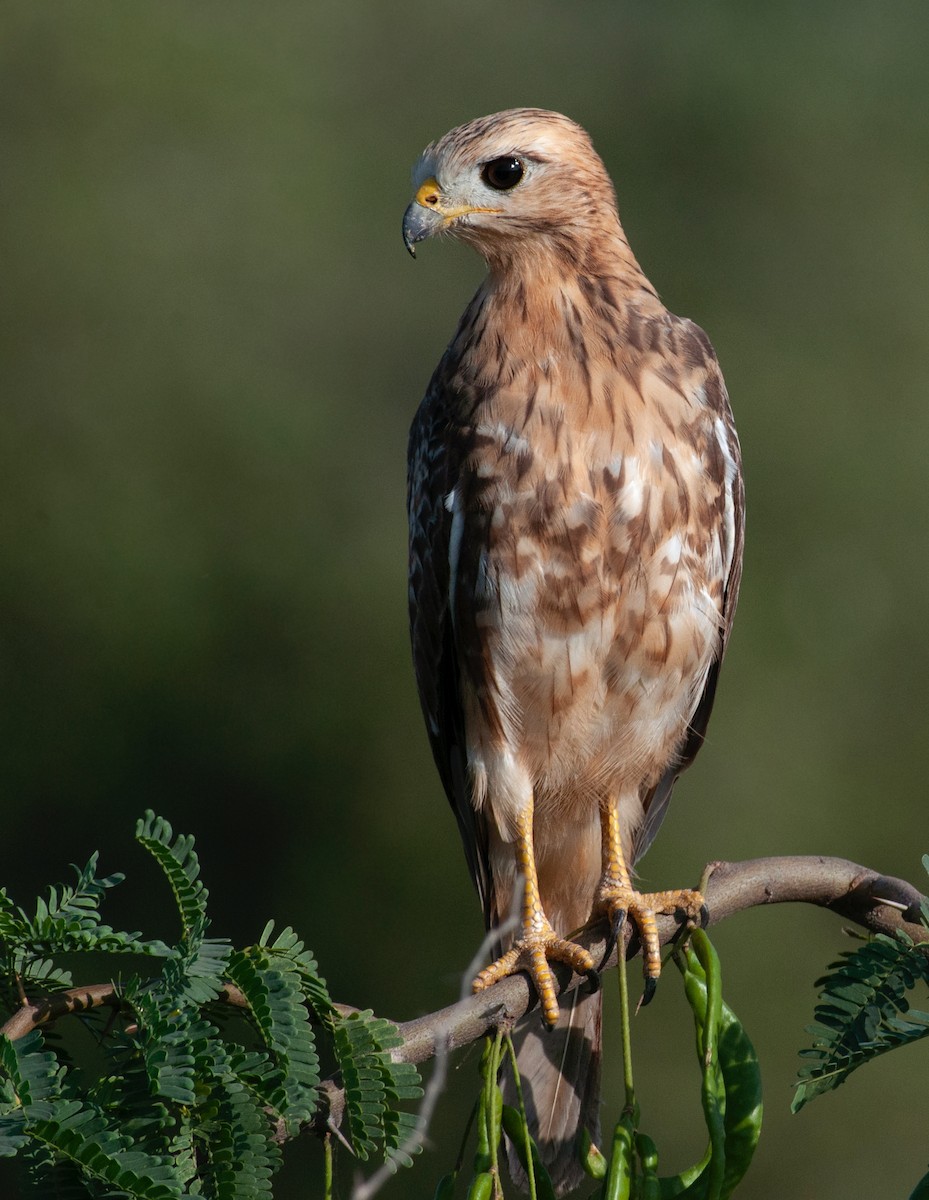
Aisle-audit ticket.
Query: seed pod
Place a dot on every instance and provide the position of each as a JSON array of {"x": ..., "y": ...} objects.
[
  {"x": 592, "y": 1158},
  {"x": 482, "y": 1187},
  {"x": 731, "y": 1088},
  {"x": 622, "y": 1162}
]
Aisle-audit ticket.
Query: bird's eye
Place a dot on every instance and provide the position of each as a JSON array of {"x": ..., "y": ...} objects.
[{"x": 502, "y": 173}]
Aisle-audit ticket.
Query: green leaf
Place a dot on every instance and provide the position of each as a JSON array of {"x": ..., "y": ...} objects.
[
  {"x": 289, "y": 946},
  {"x": 863, "y": 1011},
  {"x": 182, "y": 868},
  {"x": 373, "y": 1084},
  {"x": 175, "y": 1110},
  {"x": 272, "y": 987},
  {"x": 206, "y": 970},
  {"x": 240, "y": 1157},
  {"x": 79, "y": 1134},
  {"x": 200, "y": 962},
  {"x": 68, "y": 921},
  {"x": 33, "y": 1071}
]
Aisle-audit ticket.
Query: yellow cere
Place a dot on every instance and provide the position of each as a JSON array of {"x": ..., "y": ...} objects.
[{"x": 429, "y": 195}]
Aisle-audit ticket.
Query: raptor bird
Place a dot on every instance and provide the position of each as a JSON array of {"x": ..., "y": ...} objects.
[{"x": 575, "y": 508}]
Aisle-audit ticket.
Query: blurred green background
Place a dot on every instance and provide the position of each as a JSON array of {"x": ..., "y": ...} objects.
[{"x": 213, "y": 343}]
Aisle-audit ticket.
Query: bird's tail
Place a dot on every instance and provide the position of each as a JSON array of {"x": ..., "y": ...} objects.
[{"x": 559, "y": 1071}]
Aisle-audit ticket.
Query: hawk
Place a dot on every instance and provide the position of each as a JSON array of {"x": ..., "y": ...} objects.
[{"x": 575, "y": 508}]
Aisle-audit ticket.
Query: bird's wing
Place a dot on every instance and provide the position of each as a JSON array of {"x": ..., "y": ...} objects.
[
  {"x": 433, "y": 460},
  {"x": 730, "y": 516}
]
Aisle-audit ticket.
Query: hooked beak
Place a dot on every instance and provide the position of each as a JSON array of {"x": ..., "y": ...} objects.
[
  {"x": 420, "y": 223},
  {"x": 429, "y": 214}
]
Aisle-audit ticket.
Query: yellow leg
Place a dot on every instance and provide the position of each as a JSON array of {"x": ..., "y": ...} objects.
[
  {"x": 616, "y": 898},
  {"x": 537, "y": 942}
]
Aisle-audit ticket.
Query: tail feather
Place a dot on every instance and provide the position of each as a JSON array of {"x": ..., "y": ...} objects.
[{"x": 560, "y": 1076}]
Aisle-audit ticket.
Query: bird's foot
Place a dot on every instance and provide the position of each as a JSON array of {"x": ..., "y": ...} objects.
[
  {"x": 532, "y": 952},
  {"x": 617, "y": 901}
]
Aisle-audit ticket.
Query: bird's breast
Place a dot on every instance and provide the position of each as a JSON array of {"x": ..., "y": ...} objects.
[{"x": 587, "y": 562}]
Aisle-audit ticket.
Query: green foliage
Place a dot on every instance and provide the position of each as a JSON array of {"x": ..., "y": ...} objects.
[
  {"x": 68, "y": 921},
  {"x": 731, "y": 1080},
  {"x": 374, "y": 1084},
  {"x": 272, "y": 987},
  {"x": 62, "y": 1134},
  {"x": 204, "y": 1069},
  {"x": 184, "y": 1100},
  {"x": 863, "y": 1011}
]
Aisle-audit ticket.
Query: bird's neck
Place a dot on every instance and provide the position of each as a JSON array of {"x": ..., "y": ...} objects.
[{"x": 551, "y": 301}]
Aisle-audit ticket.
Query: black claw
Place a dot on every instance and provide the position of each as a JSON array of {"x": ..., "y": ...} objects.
[
  {"x": 616, "y": 928},
  {"x": 593, "y": 980},
  {"x": 704, "y": 916},
  {"x": 648, "y": 992}
]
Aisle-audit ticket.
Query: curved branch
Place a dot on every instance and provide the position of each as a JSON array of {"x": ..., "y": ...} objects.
[
  {"x": 59, "y": 1004},
  {"x": 77, "y": 1000},
  {"x": 879, "y": 903}
]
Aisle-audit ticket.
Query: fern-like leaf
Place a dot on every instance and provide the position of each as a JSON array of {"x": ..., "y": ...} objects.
[
  {"x": 289, "y": 946},
  {"x": 206, "y": 970},
  {"x": 29, "y": 1075},
  {"x": 66, "y": 922},
  {"x": 863, "y": 1012},
  {"x": 234, "y": 1134},
  {"x": 373, "y": 1084},
  {"x": 176, "y": 1109},
  {"x": 78, "y": 1133},
  {"x": 32, "y": 1071},
  {"x": 200, "y": 962},
  {"x": 59, "y": 1128},
  {"x": 401, "y": 1082},
  {"x": 81, "y": 903},
  {"x": 273, "y": 988},
  {"x": 126, "y": 1101},
  {"x": 164, "y": 1040},
  {"x": 178, "y": 860}
]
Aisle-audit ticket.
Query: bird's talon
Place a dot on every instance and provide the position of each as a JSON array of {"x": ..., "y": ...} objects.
[
  {"x": 648, "y": 992},
  {"x": 617, "y": 901},
  {"x": 616, "y": 927},
  {"x": 612, "y": 938},
  {"x": 593, "y": 980},
  {"x": 531, "y": 953}
]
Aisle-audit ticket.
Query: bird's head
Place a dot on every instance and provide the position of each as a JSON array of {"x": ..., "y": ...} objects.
[{"x": 511, "y": 183}]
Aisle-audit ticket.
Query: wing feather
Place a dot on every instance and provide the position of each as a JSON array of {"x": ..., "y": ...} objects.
[
  {"x": 731, "y": 519},
  {"x": 434, "y": 458}
]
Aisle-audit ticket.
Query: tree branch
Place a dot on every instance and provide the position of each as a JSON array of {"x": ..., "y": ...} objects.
[
  {"x": 879, "y": 903},
  {"x": 43, "y": 1009}
]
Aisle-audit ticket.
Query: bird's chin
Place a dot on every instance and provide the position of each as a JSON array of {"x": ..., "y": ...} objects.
[{"x": 474, "y": 229}]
